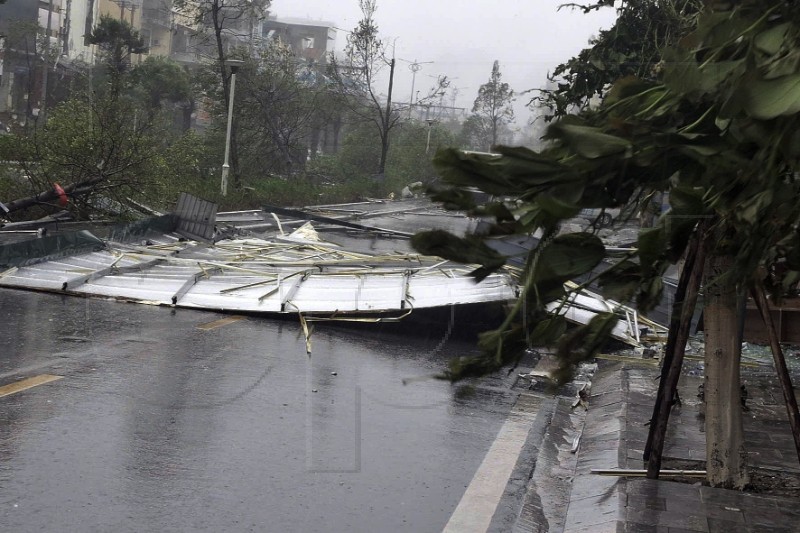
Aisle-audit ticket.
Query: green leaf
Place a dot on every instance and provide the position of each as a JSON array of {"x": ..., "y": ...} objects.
[
  {"x": 650, "y": 292},
  {"x": 568, "y": 256},
  {"x": 548, "y": 331},
  {"x": 626, "y": 87},
  {"x": 652, "y": 245},
  {"x": 752, "y": 209},
  {"x": 468, "y": 250},
  {"x": 589, "y": 142},
  {"x": 556, "y": 207},
  {"x": 687, "y": 201},
  {"x": 621, "y": 281},
  {"x": 767, "y": 99},
  {"x": 583, "y": 343},
  {"x": 771, "y": 41},
  {"x": 688, "y": 208},
  {"x": 511, "y": 172}
]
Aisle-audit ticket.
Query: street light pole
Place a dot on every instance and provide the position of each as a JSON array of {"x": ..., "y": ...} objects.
[
  {"x": 234, "y": 64},
  {"x": 430, "y": 122}
]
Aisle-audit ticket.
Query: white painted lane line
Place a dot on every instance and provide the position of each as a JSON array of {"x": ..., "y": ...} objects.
[{"x": 477, "y": 507}]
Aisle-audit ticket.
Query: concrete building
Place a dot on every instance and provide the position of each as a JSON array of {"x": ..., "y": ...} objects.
[
  {"x": 309, "y": 40},
  {"x": 23, "y": 57},
  {"x": 167, "y": 31}
]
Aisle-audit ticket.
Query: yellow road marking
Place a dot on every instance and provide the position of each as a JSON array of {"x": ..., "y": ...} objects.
[
  {"x": 27, "y": 383},
  {"x": 221, "y": 322}
]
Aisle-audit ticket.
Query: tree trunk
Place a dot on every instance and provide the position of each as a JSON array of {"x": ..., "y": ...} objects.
[
  {"x": 726, "y": 458},
  {"x": 51, "y": 195}
]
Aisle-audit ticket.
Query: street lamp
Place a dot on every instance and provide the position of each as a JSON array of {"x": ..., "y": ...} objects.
[
  {"x": 430, "y": 122},
  {"x": 234, "y": 64}
]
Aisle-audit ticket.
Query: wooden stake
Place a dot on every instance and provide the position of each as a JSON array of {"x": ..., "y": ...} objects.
[
  {"x": 680, "y": 323},
  {"x": 780, "y": 363}
]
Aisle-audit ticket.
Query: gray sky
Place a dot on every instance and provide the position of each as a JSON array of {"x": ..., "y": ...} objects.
[{"x": 463, "y": 38}]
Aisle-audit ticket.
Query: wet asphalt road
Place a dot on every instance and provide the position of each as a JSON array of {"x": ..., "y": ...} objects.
[{"x": 158, "y": 425}]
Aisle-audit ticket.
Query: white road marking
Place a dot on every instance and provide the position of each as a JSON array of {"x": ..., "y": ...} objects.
[{"x": 478, "y": 504}]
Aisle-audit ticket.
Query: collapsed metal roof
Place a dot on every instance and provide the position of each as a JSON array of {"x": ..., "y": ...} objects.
[
  {"x": 198, "y": 258},
  {"x": 295, "y": 273}
]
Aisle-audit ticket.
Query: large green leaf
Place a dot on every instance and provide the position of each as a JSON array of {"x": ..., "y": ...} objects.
[
  {"x": 568, "y": 256},
  {"x": 688, "y": 208},
  {"x": 469, "y": 250},
  {"x": 548, "y": 331},
  {"x": 767, "y": 99},
  {"x": 452, "y": 198},
  {"x": 752, "y": 208},
  {"x": 652, "y": 245},
  {"x": 589, "y": 142},
  {"x": 684, "y": 76},
  {"x": 621, "y": 281},
  {"x": 583, "y": 343},
  {"x": 770, "y": 41},
  {"x": 511, "y": 173}
]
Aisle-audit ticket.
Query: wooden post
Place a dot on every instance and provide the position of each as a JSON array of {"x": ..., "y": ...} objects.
[
  {"x": 680, "y": 323},
  {"x": 780, "y": 363}
]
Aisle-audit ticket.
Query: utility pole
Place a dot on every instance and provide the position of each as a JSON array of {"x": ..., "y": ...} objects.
[
  {"x": 387, "y": 116},
  {"x": 414, "y": 67},
  {"x": 46, "y": 57},
  {"x": 67, "y": 28}
]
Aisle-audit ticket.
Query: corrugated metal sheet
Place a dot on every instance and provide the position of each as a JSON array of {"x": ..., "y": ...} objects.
[
  {"x": 258, "y": 275},
  {"x": 196, "y": 217}
]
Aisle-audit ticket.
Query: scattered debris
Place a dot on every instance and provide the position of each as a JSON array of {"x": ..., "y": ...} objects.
[
  {"x": 582, "y": 398},
  {"x": 317, "y": 279}
]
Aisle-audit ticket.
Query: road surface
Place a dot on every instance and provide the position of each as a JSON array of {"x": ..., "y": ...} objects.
[{"x": 123, "y": 417}]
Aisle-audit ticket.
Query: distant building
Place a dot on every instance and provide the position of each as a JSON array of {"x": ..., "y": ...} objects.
[
  {"x": 309, "y": 40},
  {"x": 22, "y": 57},
  {"x": 167, "y": 31}
]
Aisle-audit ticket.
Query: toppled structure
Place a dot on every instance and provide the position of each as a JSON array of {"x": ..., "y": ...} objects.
[{"x": 285, "y": 274}]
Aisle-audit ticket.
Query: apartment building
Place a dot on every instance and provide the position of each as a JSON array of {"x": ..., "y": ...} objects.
[{"x": 167, "y": 31}]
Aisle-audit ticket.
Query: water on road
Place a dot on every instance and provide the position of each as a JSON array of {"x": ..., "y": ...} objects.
[{"x": 167, "y": 420}]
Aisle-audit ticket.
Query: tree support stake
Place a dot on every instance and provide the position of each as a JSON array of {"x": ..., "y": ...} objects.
[
  {"x": 680, "y": 323},
  {"x": 780, "y": 363}
]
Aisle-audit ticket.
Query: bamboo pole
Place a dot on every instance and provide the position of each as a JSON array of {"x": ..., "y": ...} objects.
[{"x": 642, "y": 473}]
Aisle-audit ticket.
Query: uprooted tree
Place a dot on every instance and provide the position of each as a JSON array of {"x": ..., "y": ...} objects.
[
  {"x": 717, "y": 128},
  {"x": 107, "y": 148}
]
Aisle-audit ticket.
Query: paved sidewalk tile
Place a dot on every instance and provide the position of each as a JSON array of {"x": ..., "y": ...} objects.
[{"x": 614, "y": 436}]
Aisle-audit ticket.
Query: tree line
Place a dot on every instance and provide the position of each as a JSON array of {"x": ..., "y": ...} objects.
[{"x": 131, "y": 132}]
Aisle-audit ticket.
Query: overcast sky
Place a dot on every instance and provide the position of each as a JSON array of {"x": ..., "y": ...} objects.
[{"x": 462, "y": 38}]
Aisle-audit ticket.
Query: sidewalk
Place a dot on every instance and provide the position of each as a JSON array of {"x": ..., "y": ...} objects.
[{"x": 613, "y": 436}]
